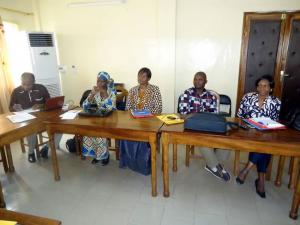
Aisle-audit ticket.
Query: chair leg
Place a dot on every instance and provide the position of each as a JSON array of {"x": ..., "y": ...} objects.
[
  {"x": 174, "y": 157},
  {"x": 4, "y": 159},
  {"x": 37, "y": 148},
  {"x": 9, "y": 159},
  {"x": 117, "y": 149},
  {"x": 192, "y": 149},
  {"x": 158, "y": 142},
  {"x": 187, "y": 155},
  {"x": 291, "y": 165},
  {"x": 78, "y": 144},
  {"x": 293, "y": 173},
  {"x": 279, "y": 171},
  {"x": 40, "y": 138},
  {"x": 269, "y": 169},
  {"x": 2, "y": 202},
  {"x": 236, "y": 166},
  {"x": 22, "y": 145}
]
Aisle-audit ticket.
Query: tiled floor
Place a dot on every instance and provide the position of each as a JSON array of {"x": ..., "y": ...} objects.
[{"x": 89, "y": 194}]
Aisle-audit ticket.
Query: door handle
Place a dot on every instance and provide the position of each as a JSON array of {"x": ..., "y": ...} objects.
[{"x": 283, "y": 75}]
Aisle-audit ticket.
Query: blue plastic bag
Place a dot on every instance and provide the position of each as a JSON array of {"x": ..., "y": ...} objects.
[{"x": 136, "y": 156}]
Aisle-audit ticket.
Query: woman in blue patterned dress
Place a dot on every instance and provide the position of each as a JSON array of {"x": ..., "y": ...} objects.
[
  {"x": 104, "y": 96},
  {"x": 259, "y": 104}
]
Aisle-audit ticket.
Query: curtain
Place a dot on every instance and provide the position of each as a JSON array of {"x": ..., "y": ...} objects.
[{"x": 6, "y": 83}]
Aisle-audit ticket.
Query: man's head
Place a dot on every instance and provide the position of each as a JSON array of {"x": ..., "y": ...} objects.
[
  {"x": 200, "y": 80},
  {"x": 27, "y": 80}
]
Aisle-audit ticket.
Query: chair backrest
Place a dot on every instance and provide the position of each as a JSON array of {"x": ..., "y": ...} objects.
[
  {"x": 122, "y": 94},
  {"x": 178, "y": 102},
  {"x": 214, "y": 93},
  {"x": 225, "y": 105},
  {"x": 84, "y": 96}
]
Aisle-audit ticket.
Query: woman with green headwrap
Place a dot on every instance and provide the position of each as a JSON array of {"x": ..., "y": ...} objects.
[{"x": 104, "y": 96}]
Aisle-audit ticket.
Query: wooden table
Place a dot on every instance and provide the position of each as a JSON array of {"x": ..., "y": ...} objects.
[
  {"x": 11, "y": 132},
  {"x": 277, "y": 142},
  {"x": 25, "y": 219},
  {"x": 118, "y": 125}
]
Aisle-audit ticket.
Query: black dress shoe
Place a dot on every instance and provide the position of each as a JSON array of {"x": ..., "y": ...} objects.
[
  {"x": 104, "y": 162},
  {"x": 261, "y": 194},
  {"x": 31, "y": 158},
  {"x": 94, "y": 161},
  {"x": 239, "y": 180}
]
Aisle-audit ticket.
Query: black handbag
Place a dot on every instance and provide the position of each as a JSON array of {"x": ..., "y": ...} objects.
[{"x": 208, "y": 122}]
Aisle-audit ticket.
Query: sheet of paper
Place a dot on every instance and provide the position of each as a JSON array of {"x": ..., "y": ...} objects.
[
  {"x": 70, "y": 115},
  {"x": 19, "y": 117}
]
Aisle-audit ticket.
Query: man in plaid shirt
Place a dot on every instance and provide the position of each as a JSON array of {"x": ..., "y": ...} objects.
[{"x": 198, "y": 99}]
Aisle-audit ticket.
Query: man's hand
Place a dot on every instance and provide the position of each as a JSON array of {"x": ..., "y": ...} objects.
[
  {"x": 37, "y": 106},
  {"x": 17, "y": 107}
]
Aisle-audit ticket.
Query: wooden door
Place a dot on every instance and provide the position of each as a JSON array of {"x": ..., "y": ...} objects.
[
  {"x": 290, "y": 72},
  {"x": 269, "y": 47}
]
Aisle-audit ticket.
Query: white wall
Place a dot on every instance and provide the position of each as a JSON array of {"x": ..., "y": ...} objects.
[
  {"x": 26, "y": 22},
  {"x": 174, "y": 38},
  {"x": 119, "y": 39},
  {"x": 208, "y": 38}
]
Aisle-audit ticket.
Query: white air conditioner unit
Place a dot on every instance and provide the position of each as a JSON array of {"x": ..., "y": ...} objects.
[{"x": 43, "y": 61}]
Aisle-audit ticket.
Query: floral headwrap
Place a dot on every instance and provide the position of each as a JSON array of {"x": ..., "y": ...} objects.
[{"x": 110, "y": 82}]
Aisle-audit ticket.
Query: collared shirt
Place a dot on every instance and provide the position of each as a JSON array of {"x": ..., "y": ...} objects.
[
  {"x": 249, "y": 107},
  {"x": 150, "y": 99},
  {"x": 36, "y": 95},
  {"x": 192, "y": 102}
]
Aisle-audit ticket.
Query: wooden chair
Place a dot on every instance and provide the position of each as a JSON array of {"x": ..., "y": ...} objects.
[
  {"x": 3, "y": 159},
  {"x": 190, "y": 150},
  {"x": 121, "y": 98},
  {"x": 293, "y": 171},
  {"x": 26, "y": 219},
  {"x": 39, "y": 142}
]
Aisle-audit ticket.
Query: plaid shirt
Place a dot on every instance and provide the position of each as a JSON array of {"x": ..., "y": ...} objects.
[{"x": 192, "y": 102}]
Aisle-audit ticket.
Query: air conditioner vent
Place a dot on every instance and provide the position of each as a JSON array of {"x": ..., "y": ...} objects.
[{"x": 40, "y": 40}]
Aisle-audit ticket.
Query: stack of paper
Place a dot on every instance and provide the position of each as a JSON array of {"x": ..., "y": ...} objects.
[
  {"x": 19, "y": 117},
  {"x": 70, "y": 115},
  {"x": 263, "y": 123},
  {"x": 5, "y": 222},
  {"x": 170, "y": 119},
  {"x": 141, "y": 113}
]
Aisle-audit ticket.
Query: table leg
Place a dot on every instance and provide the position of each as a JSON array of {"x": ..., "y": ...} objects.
[
  {"x": 54, "y": 157},
  {"x": 280, "y": 170},
  {"x": 11, "y": 167},
  {"x": 293, "y": 174},
  {"x": 296, "y": 200},
  {"x": 236, "y": 169},
  {"x": 174, "y": 157},
  {"x": 2, "y": 202},
  {"x": 4, "y": 159},
  {"x": 165, "y": 147},
  {"x": 153, "y": 165}
]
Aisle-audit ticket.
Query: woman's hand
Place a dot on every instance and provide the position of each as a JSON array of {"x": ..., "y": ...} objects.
[{"x": 95, "y": 90}]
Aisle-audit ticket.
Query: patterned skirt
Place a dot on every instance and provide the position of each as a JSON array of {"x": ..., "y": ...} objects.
[{"x": 95, "y": 147}]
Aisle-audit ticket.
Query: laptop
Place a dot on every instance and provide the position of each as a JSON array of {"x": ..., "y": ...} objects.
[
  {"x": 54, "y": 103},
  {"x": 94, "y": 111}
]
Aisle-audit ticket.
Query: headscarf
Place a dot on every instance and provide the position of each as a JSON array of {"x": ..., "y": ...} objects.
[{"x": 110, "y": 82}]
